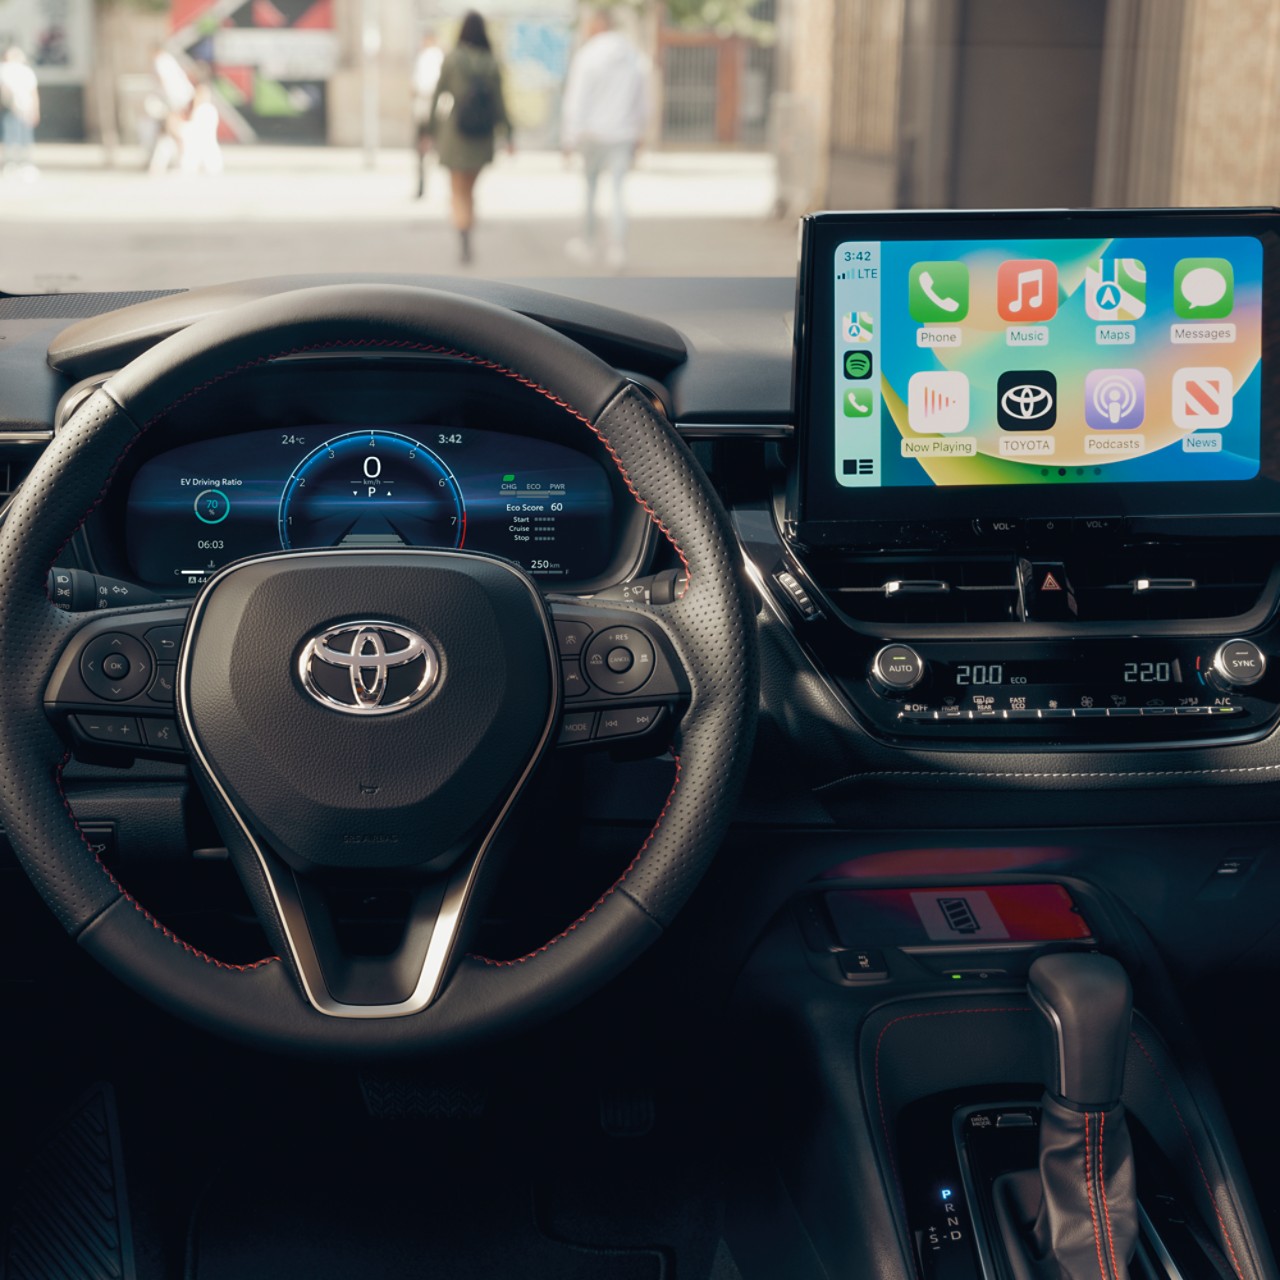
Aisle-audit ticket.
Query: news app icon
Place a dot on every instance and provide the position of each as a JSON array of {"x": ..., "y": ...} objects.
[
  {"x": 1114, "y": 399},
  {"x": 938, "y": 402},
  {"x": 1202, "y": 398},
  {"x": 1027, "y": 290}
]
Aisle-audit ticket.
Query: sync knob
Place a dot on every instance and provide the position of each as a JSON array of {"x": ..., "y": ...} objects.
[
  {"x": 1238, "y": 664},
  {"x": 896, "y": 670}
]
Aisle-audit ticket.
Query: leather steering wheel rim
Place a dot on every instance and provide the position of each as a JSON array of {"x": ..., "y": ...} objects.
[{"x": 711, "y": 627}]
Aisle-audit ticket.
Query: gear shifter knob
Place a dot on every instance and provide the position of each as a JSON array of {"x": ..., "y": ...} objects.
[{"x": 1088, "y": 1002}]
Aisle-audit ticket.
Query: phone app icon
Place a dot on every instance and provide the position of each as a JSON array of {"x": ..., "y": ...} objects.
[
  {"x": 1202, "y": 398},
  {"x": 938, "y": 402},
  {"x": 1027, "y": 290},
  {"x": 1026, "y": 400},
  {"x": 1114, "y": 399},
  {"x": 1203, "y": 288},
  {"x": 1115, "y": 289},
  {"x": 859, "y": 402},
  {"x": 938, "y": 292},
  {"x": 857, "y": 326},
  {"x": 857, "y": 365}
]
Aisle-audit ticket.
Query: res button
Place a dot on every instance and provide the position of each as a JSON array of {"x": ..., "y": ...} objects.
[{"x": 619, "y": 660}]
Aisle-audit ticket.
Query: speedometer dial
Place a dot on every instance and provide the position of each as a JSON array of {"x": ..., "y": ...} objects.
[{"x": 372, "y": 489}]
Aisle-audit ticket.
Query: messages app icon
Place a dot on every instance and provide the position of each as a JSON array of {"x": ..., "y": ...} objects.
[{"x": 1203, "y": 288}]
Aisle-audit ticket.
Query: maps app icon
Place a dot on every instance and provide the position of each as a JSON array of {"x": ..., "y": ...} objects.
[{"x": 1115, "y": 289}]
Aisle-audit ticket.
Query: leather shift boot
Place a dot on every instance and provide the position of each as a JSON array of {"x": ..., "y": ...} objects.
[{"x": 1076, "y": 1218}]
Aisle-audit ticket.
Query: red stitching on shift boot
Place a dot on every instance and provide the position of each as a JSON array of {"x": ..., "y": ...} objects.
[
  {"x": 1093, "y": 1213},
  {"x": 1195, "y": 1155},
  {"x": 600, "y": 901},
  {"x": 884, "y": 1119},
  {"x": 394, "y": 344},
  {"x": 1102, "y": 1182},
  {"x": 137, "y": 906}
]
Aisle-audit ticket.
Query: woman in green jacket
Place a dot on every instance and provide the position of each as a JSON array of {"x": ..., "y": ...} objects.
[{"x": 467, "y": 111}]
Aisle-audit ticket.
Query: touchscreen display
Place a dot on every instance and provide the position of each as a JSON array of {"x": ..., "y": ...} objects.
[{"x": 963, "y": 362}]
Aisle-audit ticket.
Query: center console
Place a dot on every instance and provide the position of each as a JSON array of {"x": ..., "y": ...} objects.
[{"x": 1034, "y": 493}]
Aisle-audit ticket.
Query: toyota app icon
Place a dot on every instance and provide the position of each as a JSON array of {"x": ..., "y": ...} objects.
[{"x": 1027, "y": 400}]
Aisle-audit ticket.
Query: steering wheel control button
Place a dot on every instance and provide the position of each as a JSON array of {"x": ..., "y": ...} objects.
[
  {"x": 577, "y": 728},
  {"x": 627, "y": 722},
  {"x": 121, "y": 731},
  {"x": 162, "y": 734},
  {"x": 619, "y": 660},
  {"x": 572, "y": 681},
  {"x": 897, "y": 669},
  {"x": 1239, "y": 663},
  {"x": 116, "y": 666},
  {"x": 162, "y": 686},
  {"x": 571, "y": 637},
  {"x": 166, "y": 641}
]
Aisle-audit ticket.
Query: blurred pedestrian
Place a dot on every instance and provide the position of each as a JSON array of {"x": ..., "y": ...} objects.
[
  {"x": 20, "y": 104},
  {"x": 426, "y": 75},
  {"x": 467, "y": 110},
  {"x": 604, "y": 114},
  {"x": 176, "y": 98},
  {"x": 200, "y": 152}
]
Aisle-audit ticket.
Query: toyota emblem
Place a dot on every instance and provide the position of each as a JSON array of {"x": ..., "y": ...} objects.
[{"x": 368, "y": 668}]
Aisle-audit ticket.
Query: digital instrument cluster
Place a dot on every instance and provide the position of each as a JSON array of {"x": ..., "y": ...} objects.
[{"x": 542, "y": 504}]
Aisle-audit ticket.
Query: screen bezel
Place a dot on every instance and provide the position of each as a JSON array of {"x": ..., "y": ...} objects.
[{"x": 822, "y": 511}]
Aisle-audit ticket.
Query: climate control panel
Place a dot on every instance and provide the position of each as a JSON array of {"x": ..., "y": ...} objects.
[{"x": 1144, "y": 690}]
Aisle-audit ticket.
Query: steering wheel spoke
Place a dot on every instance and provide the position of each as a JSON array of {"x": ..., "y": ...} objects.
[
  {"x": 623, "y": 682},
  {"x": 111, "y": 691}
]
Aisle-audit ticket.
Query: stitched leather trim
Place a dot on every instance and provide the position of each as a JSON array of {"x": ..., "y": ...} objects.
[
  {"x": 940, "y": 776},
  {"x": 600, "y": 901},
  {"x": 1195, "y": 1155},
  {"x": 1102, "y": 1184},
  {"x": 137, "y": 906},
  {"x": 1088, "y": 1186}
]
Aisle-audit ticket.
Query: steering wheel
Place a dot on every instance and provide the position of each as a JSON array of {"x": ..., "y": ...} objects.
[{"x": 371, "y": 714}]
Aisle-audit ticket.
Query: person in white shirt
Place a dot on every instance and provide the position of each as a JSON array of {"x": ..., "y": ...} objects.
[
  {"x": 604, "y": 114},
  {"x": 426, "y": 75},
  {"x": 20, "y": 103}
]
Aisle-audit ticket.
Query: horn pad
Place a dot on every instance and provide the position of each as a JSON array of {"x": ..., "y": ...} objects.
[{"x": 365, "y": 709}]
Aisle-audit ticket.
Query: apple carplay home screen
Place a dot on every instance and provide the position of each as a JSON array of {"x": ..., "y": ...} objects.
[{"x": 1038, "y": 361}]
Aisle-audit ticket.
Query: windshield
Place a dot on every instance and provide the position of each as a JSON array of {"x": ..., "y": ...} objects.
[{"x": 153, "y": 144}]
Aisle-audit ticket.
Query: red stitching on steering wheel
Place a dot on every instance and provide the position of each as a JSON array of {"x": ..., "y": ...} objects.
[
  {"x": 137, "y": 906},
  {"x": 600, "y": 901}
]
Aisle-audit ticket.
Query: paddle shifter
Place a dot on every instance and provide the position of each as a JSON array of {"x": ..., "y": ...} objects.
[{"x": 1076, "y": 1217}]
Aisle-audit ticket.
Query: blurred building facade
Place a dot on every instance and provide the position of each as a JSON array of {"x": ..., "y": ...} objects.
[{"x": 1026, "y": 103}]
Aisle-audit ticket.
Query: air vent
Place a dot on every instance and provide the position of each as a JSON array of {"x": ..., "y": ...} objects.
[
  {"x": 1115, "y": 583},
  {"x": 905, "y": 589},
  {"x": 1145, "y": 583}
]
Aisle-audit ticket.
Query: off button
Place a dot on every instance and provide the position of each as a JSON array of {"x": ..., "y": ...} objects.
[{"x": 619, "y": 660}]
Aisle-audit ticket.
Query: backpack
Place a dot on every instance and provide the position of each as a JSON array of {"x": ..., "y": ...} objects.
[{"x": 475, "y": 111}]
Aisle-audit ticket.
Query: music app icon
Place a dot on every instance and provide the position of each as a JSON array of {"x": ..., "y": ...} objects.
[{"x": 1027, "y": 290}]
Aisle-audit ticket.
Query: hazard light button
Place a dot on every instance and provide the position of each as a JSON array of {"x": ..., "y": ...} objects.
[{"x": 1049, "y": 594}]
